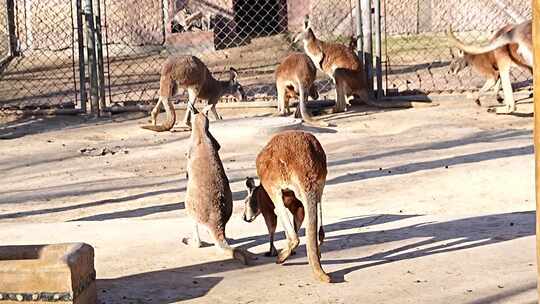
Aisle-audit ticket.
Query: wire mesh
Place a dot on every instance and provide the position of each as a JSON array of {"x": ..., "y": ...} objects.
[
  {"x": 251, "y": 36},
  {"x": 417, "y": 54},
  {"x": 41, "y": 72}
]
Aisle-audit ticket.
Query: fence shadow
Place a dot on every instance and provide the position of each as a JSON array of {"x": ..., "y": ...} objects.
[
  {"x": 193, "y": 281},
  {"x": 432, "y": 164}
]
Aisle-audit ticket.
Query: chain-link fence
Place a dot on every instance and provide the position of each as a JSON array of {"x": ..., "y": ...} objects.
[
  {"x": 417, "y": 53},
  {"x": 40, "y": 70},
  {"x": 135, "y": 36},
  {"x": 4, "y": 32}
]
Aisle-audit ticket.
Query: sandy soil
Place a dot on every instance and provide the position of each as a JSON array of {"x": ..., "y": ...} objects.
[{"x": 430, "y": 205}]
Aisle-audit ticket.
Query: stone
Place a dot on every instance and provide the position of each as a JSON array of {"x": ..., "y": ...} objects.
[{"x": 62, "y": 273}]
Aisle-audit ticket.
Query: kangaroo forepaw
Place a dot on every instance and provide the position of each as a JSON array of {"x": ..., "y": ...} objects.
[
  {"x": 240, "y": 256},
  {"x": 244, "y": 256}
]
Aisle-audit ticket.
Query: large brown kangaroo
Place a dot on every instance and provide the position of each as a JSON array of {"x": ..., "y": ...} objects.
[{"x": 295, "y": 161}]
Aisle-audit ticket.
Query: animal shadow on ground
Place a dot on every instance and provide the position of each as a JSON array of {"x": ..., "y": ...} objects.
[{"x": 193, "y": 281}]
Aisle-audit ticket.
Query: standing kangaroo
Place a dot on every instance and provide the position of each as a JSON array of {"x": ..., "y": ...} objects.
[
  {"x": 191, "y": 73},
  {"x": 295, "y": 77},
  {"x": 295, "y": 161},
  {"x": 208, "y": 195},
  {"x": 511, "y": 45},
  {"x": 258, "y": 202},
  {"x": 340, "y": 63}
]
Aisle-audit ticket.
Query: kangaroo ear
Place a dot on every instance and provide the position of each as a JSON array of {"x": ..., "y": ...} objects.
[
  {"x": 234, "y": 74},
  {"x": 250, "y": 183},
  {"x": 307, "y": 24}
]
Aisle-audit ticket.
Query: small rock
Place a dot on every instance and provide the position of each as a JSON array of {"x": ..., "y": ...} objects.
[
  {"x": 469, "y": 290},
  {"x": 500, "y": 286}
]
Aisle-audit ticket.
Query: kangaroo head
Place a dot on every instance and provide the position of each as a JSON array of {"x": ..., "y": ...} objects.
[
  {"x": 251, "y": 206},
  {"x": 307, "y": 33},
  {"x": 200, "y": 127},
  {"x": 459, "y": 61},
  {"x": 234, "y": 88}
]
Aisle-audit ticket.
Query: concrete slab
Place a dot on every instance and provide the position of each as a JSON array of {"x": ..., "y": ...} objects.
[
  {"x": 47, "y": 273},
  {"x": 258, "y": 127}
]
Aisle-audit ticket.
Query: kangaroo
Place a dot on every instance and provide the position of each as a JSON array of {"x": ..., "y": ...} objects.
[
  {"x": 258, "y": 202},
  {"x": 485, "y": 64},
  {"x": 295, "y": 161},
  {"x": 208, "y": 195},
  {"x": 338, "y": 62},
  {"x": 295, "y": 77},
  {"x": 511, "y": 45},
  {"x": 191, "y": 73}
]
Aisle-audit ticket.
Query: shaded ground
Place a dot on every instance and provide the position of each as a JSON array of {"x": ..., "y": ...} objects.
[{"x": 430, "y": 205}]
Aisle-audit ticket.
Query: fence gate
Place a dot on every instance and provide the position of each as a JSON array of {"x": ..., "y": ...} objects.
[{"x": 39, "y": 60}]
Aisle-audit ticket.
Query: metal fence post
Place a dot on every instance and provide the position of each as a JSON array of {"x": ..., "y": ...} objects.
[
  {"x": 82, "y": 66},
  {"x": 359, "y": 32},
  {"x": 368, "y": 43},
  {"x": 378, "y": 51},
  {"x": 91, "y": 55},
  {"x": 13, "y": 45},
  {"x": 99, "y": 55}
]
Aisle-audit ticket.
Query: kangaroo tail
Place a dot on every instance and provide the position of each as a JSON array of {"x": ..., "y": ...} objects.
[
  {"x": 306, "y": 116},
  {"x": 496, "y": 43},
  {"x": 169, "y": 121},
  {"x": 167, "y": 87},
  {"x": 312, "y": 199}
]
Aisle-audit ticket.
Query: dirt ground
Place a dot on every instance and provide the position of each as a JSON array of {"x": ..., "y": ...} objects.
[{"x": 427, "y": 205}]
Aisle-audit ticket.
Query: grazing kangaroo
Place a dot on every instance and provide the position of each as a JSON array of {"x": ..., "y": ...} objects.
[
  {"x": 191, "y": 73},
  {"x": 258, "y": 202},
  {"x": 511, "y": 45},
  {"x": 208, "y": 195},
  {"x": 295, "y": 161},
  {"x": 295, "y": 77}
]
